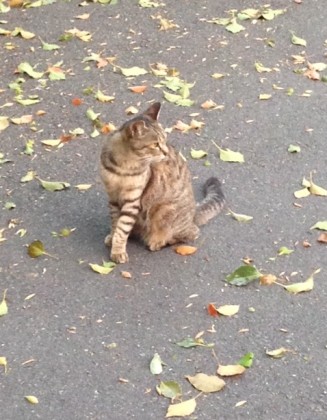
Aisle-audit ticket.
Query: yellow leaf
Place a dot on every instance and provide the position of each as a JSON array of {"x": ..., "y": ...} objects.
[
  {"x": 131, "y": 110},
  {"x": 206, "y": 383},
  {"x": 278, "y": 353},
  {"x": 83, "y": 187},
  {"x": 31, "y": 399},
  {"x": 302, "y": 193},
  {"x": 230, "y": 370},
  {"x": 3, "y": 362},
  {"x": 304, "y": 286},
  {"x": 181, "y": 126},
  {"x": 217, "y": 75},
  {"x": 228, "y": 310},
  {"x": 3, "y": 305},
  {"x": 264, "y": 96},
  {"x": 4, "y": 123},
  {"x": 182, "y": 409}
]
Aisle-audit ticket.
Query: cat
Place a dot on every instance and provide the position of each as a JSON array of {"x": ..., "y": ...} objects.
[{"x": 149, "y": 187}]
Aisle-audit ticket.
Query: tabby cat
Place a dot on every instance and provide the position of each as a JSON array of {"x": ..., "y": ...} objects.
[{"x": 149, "y": 188}]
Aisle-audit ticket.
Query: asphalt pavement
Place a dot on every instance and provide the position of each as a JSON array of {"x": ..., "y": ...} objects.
[{"x": 82, "y": 342}]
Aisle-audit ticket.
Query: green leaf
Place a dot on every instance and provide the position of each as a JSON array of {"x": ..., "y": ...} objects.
[
  {"x": 320, "y": 225},
  {"x": 234, "y": 27},
  {"x": 190, "y": 342},
  {"x": 294, "y": 148},
  {"x": 198, "y": 154},
  {"x": 184, "y": 102},
  {"x": 100, "y": 96},
  {"x": 240, "y": 217},
  {"x": 23, "y": 33},
  {"x": 54, "y": 185},
  {"x": 92, "y": 115},
  {"x": 3, "y": 305},
  {"x": 133, "y": 71},
  {"x": 156, "y": 365},
  {"x": 246, "y": 360},
  {"x": 29, "y": 147},
  {"x": 49, "y": 47},
  {"x": 26, "y": 102},
  {"x": 105, "y": 268},
  {"x": 169, "y": 389},
  {"x": 243, "y": 275},
  {"x": 9, "y": 205},
  {"x": 28, "y": 177},
  {"x": 170, "y": 97},
  {"x": 297, "y": 40},
  {"x": 285, "y": 251},
  {"x": 36, "y": 249},
  {"x": 28, "y": 69},
  {"x": 304, "y": 286},
  {"x": 231, "y": 156}
]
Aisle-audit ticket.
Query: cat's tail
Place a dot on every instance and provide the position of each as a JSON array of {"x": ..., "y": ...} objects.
[{"x": 212, "y": 204}]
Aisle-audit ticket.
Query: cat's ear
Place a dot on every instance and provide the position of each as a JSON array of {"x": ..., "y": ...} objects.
[
  {"x": 153, "y": 111},
  {"x": 136, "y": 129}
]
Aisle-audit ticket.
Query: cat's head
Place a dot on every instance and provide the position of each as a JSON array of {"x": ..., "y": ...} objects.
[{"x": 145, "y": 135}]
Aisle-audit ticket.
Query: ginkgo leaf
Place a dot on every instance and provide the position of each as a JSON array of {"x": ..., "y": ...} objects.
[
  {"x": 54, "y": 185},
  {"x": 304, "y": 286},
  {"x": 206, "y": 383},
  {"x": 156, "y": 365},
  {"x": 169, "y": 389},
  {"x": 228, "y": 310},
  {"x": 240, "y": 217},
  {"x": 3, "y": 304},
  {"x": 182, "y": 409},
  {"x": 230, "y": 370}
]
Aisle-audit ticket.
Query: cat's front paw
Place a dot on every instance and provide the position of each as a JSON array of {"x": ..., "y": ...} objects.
[
  {"x": 108, "y": 240},
  {"x": 119, "y": 257},
  {"x": 156, "y": 246}
]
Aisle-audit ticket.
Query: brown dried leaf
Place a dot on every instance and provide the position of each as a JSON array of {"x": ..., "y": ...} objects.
[
  {"x": 185, "y": 250},
  {"x": 322, "y": 238},
  {"x": 138, "y": 89}
]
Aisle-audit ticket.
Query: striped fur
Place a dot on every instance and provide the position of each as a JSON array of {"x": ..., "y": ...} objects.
[{"x": 149, "y": 188}]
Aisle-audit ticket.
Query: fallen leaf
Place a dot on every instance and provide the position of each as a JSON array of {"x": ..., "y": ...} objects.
[
  {"x": 230, "y": 370},
  {"x": 4, "y": 123},
  {"x": 240, "y": 403},
  {"x": 304, "y": 286},
  {"x": 278, "y": 353},
  {"x": 294, "y": 148},
  {"x": 28, "y": 69},
  {"x": 54, "y": 185},
  {"x": 243, "y": 275},
  {"x": 131, "y": 110},
  {"x": 3, "y": 362},
  {"x": 209, "y": 104},
  {"x": 185, "y": 249},
  {"x": 126, "y": 274},
  {"x": 198, "y": 154},
  {"x": 3, "y": 304},
  {"x": 181, "y": 126},
  {"x": 169, "y": 389},
  {"x": 322, "y": 238},
  {"x": 23, "y": 33},
  {"x": 212, "y": 310},
  {"x": 196, "y": 124},
  {"x": 246, "y": 360},
  {"x": 240, "y": 217},
  {"x": 83, "y": 187},
  {"x": 51, "y": 143},
  {"x": 156, "y": 365},
  {"x": 77, "y": 101},
  {"x": 264, "y": 96},
  {"x": 100, "y": 96},
  {"x": 138, "y": 89},
  {"x": 25, "y": 119},
  {"x": 234, "y": 26},
  {"x": 84, "y": 16},
  {"x": 320, "y": 225},
  {"x": 82, "y": 35},
  {"x": 133, "y": 71},
  {"x": 217, "y": 75},
  {"x": 148, "y": 3},
  {"x": 182, "y": 409},
  {"x": 28, "y": 177},
  {"x": 260, "y": 68},
  {"x": 285, "y": 251},
  {"x": 49, "y": 47},
  {"x": 297, "y": 40},
  {"x": 228, "y": 310},
  {"x": 206, "y": 383},
  {"x": 304, "y": 192},
  {"x": 106, "y": 268},
  {"x": 190, "y": 342},
  {"x": 166, "y": 24},
  {"x": 228, "y": 155},
  {"x": 31, "y": 399}
]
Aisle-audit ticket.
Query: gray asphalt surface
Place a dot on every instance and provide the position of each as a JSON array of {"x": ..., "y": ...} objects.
[{"x": 57, "y": 343}]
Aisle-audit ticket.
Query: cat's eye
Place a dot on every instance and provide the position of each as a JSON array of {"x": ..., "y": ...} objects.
[{"x": 154, "y": 146}]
